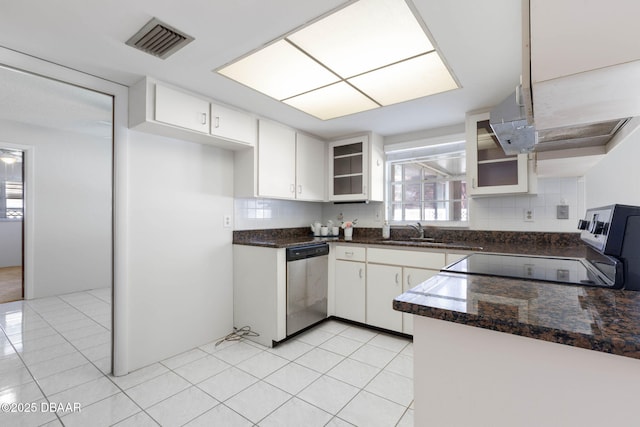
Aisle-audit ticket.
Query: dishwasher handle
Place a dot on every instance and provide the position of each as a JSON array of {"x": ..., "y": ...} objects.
[{"x": 307, "y": 251}]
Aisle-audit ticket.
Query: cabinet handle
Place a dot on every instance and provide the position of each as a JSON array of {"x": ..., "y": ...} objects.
[
  {"x": 299, "y": 189},
  {"x": 217, "y": 125},
  {"x": 409, "y": 280},
  {"x": 360, "y": 273},
  {"x": 348, "y": 253},
  {"x": 292, "y": 188},
  {"x": 397, "y": 278},
  {"x": 364, "y": 189},
  {"x": 204, "y": 118},
  {"x": 473, "y": 183}
]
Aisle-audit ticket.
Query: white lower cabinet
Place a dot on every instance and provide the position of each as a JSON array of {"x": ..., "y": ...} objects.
[
  {"x": 350, "y": 290},
  {"x": 383, "y": 285},
  {"x": 411, "y": 278}
]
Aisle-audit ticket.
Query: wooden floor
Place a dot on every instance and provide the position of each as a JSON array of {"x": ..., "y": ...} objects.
[{"x": 10, "y": 284}]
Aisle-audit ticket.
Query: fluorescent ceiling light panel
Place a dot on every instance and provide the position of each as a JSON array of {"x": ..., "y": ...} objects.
[
  {"x": 369, "y": 54},
  {"x": 364, "y": 36},
  {"x": 333, "y": 101},
  {"x": 410, "y": 79},
  {"x": 280, "y": 71}
]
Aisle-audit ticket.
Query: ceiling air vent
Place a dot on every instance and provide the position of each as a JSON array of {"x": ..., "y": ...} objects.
[{"x": 159, "y": 39}]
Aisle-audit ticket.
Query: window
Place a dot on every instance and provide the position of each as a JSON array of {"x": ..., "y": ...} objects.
[
  {"x": 428, "y": 184},
  {"x": 11, "y": 202}
]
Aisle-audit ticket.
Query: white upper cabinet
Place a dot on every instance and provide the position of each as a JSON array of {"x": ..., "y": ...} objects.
[
  {"x": 489, "y": 169},
  {"x": 233, "y": 124},
  {"x": 166, "y": 110},
  {"x": 181, "y": 109},
  {"x": 276, "y": 160},
  {"x": 310, "y": 168},
  {"x": 356, "y": 169},
  {"x": 585, "y": 61},
  {"x": 284, "y": 165}
]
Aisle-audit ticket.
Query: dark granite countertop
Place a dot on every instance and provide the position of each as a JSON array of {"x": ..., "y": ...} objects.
[
  {"x": 551, "y": 244},
  {"x": 598, "y": 319}
]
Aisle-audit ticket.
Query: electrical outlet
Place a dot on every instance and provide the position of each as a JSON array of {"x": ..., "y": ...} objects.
[
  {"x": 226, "y": 221},
  {"x": 528, "y": 215}
]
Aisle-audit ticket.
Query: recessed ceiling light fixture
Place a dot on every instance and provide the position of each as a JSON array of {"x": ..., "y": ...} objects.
[{"x": 369, "y": 54}]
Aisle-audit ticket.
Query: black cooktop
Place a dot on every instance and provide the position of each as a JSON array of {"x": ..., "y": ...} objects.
[{"x": 598, "y": 270}]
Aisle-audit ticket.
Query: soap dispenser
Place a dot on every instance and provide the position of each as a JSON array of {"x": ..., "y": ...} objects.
[{"x": 386, "y": 230}]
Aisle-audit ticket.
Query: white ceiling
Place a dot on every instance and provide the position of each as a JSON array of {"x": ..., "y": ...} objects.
[{"x": 480, "y": 40}]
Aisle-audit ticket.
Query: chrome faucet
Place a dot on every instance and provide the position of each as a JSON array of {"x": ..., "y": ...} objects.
[{"x": 418, "y": 228}]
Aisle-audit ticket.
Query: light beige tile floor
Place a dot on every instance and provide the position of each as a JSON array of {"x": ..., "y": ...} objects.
[{"x": 56, "y": 351}]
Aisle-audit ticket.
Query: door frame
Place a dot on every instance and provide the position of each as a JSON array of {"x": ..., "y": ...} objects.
[{"x": 23, "y": 62}]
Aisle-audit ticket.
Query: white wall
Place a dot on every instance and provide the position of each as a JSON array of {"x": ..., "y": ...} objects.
[
  {"x": 180, "y": 277},
  {"x": 616, "y": 178},
  {"x": 72, "y": 208},
  {"x": 10, "y": 243},
  {"x": 255, "y": 214}
]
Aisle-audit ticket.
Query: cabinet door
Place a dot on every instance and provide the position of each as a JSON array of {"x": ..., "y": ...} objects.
[
  {"x": 383, "y": 285},
  {"x": 181, "y": 109},
  {"x": 234, "y": 125},
  {"x": 413, "y": 277},
  {"x": 350, "y": 290},
  {"x": 310, "y": 168},
  {"x": 276, "y": 161},
  {"x": 489, "y": 170},
  {"x": 348, "y": 169}
]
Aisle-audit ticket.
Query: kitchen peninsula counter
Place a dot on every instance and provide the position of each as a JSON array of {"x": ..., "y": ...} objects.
[
  {"x": 593, "y": 318},
  {"x": 522, "y": 353}
]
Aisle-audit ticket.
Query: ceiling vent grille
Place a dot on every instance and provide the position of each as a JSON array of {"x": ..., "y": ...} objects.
[{"x": 159, "y": 39}]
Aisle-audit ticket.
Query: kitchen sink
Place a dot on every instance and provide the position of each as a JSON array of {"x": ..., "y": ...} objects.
[{"x": 430, "y": 242}]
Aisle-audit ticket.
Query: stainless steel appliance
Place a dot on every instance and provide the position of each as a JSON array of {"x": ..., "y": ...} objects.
[
  {"x": 612, "y": 234},
  {"x": 307, "y": 284}
]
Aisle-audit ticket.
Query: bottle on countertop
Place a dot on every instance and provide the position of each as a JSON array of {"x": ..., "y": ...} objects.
[{"x": 386, "y": 230}]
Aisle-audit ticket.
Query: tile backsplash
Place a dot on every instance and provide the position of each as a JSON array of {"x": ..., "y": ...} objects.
[
  {"x": 504, "y": 213},
  {"x": 255, "y": 214},
  {"x": 508, "y": 212}
]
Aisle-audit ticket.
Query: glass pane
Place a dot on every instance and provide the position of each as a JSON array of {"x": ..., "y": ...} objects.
[
  {"x": 412, "y": 172},
  {"x": 356, "y": 184},
  {"x": 356, "y": 164},
  {"x": 344, "y": 150},
  {"x": 502, "y": 173},
  {"x": 430, "y": 191},
  {"x": 412, "y": 212},
  {"x": 341, "y": 166},
  {"x": 342, "y": 186},
  {"x": 412, "y": 193},
  {"x": 396, "y": 192},
  {"x": 347, "y": 185},
  {"x": 396, "y": 173},
  {"x": 396, "y": 212}
]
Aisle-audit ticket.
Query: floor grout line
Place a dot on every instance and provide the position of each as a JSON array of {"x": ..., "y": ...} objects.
[{"x": 344, "y": 351}]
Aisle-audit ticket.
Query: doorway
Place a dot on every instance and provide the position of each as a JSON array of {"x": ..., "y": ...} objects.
[{"x": 11, "y": 225}]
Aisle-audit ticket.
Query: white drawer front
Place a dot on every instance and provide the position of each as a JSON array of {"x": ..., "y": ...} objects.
[
  {"x": 434, "y": 260},
  {"x": 351, "y": 253}
]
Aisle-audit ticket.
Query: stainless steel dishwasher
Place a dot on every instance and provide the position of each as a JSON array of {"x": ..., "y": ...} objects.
[{"x": 307, "y": 284}]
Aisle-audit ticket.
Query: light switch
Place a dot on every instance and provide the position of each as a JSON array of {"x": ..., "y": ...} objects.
[{"x": 562, "y": 211}]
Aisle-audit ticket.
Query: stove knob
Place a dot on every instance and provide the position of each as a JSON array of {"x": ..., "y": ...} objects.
[
  {"x": 583, "y": 224},
  {"x": 599, "y": 228}
]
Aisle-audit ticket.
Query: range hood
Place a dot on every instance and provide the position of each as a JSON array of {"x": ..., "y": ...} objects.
[
  {"x": 510, "y": 125},
  {"x": 516, "y": 133}
]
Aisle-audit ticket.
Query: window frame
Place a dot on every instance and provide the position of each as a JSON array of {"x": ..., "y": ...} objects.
[{"x": 413, "y": 153}]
